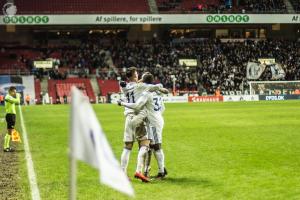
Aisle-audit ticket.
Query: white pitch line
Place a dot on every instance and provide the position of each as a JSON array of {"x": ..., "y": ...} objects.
[{"x": 35, "y": 193}]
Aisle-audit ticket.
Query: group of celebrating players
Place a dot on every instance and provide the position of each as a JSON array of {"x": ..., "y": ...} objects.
[{"x": 144, "y": 122}]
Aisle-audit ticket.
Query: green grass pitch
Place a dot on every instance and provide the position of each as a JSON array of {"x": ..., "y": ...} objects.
[{"x": 245, "y": 150}]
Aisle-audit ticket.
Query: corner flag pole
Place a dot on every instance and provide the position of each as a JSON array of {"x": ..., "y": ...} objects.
[
  {"x": 73, "y": 169},
  {"x": 72, "y": 162},
  {"x": 89, "y": 144}
]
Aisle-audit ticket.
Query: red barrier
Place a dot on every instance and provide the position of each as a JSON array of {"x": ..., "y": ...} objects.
[{"x": 205, "y": 98}]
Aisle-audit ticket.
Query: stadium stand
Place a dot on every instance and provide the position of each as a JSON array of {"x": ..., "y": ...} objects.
[
  {"x": 217, "y": 6},
  {"x": 174, "y": 6},
  {"x": 296, "y": 5},
  {"x": 78, "y": 6},
  {"x": 10, "y": 64},
  {"x": 108, "y": 86},
  {"x": 60, "y": 89},
  {"x": 265, "y": 6},
  {"x": 220, "y": 63}
]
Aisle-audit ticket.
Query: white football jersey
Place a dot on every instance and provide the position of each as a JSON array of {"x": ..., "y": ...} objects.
[
  {"x": 156, "y": 109},
  {"x": 128, "y": 92},
  {"x": 133, "y": 91},
  {"x": 152, "y": 104}
]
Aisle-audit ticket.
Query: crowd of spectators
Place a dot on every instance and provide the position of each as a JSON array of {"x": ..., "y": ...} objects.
[
  {"x": 168, "y": 5},
  {"x": 263, "y": 5},
  {"x": 220, "y": 6},
  {"x": 220, "y": 64},
  {"x": 296, "y": 5}
]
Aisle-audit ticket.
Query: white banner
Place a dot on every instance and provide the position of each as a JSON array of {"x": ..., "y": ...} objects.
[
  {"x": 114, "y": 97},
  {"x": 43, "y": 64},
  {"x": 188, "y": 62},
  {"x": 277, "y": 72},
  {"x": 241, "y": 98},
  {"x": 28, "y": 82},
  {"x": 167, "y": 99},
  {"x": 254, "y": 70},
  {"x": 151, "y": 19},
  {"x": 175, "y": 99}
]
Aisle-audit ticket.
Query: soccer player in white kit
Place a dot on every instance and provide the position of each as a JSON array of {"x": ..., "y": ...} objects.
[
  {"x": 156, "y": 129},
  {"x": 152, "y": 103},
  {"x": 134, "y": 121}
]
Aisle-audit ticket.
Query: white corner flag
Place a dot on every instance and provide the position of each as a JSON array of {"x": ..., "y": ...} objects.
[{"x": 89, "y": 144}]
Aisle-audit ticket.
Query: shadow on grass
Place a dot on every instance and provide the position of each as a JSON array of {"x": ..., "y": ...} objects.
[
  {"x": 19, "y": 150},
  {"x": 185, "y": 181}
]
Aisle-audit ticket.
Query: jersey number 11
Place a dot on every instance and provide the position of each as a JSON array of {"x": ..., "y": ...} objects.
[{"x": 130, "y": 97}]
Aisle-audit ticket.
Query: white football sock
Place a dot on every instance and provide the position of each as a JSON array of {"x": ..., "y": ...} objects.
[
  {"x": 125, "y": 159},
  {"x": 160, "y": 157},
  {"x": 141, "y": 157},
  {"x": 147, "y": 161}
]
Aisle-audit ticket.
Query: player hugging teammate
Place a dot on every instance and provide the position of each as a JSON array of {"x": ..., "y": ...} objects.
[{"x": 144, "y": 122}]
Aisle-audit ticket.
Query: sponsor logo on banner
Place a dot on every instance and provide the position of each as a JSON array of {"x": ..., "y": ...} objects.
[
  {"x": 240, "y": 98},
  {"x": 205, "y": 98},
  {"x": 275, "y": 98},
  {"x": 227, "y": 18},
  {"x": 10, "y": 10},
  {"x": 279, "y": 97},
  {"x": 26, "y": 19},
  {"x": 175, "y": 99}
]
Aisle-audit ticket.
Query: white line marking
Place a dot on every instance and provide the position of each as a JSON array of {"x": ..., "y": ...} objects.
[{"x": 35, "y": 193}]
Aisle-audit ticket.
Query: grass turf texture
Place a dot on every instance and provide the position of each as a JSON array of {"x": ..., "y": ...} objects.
[{"x": 245, "y": 150}]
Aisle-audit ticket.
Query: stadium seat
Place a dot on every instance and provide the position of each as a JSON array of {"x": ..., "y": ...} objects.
[
  {"x": 60, "y": 88},
  {"x": 108, "y": 86}
]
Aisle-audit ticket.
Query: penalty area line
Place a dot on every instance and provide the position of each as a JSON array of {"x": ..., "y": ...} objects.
[{"x": 35, "y": 193}]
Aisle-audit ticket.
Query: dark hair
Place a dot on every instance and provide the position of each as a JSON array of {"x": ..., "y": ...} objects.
[
  {"x": 148, "y": 78},
  {"x": 130, "y": 71},
  {"x": 12, "y": 88}
]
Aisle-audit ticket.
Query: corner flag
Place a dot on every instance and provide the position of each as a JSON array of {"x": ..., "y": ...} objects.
[
  {"x": 89, "y": 144},
  {"x": 15, "y": 136}
]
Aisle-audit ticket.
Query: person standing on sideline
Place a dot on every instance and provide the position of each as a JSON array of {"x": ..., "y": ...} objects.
[
  {"x": 27, "y": 99},
  {"x": 1, "y": 99},
  {"x": 218, "y": 92},
  {"x": 11, "y": 99}
]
